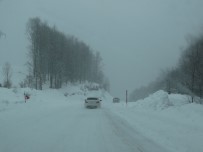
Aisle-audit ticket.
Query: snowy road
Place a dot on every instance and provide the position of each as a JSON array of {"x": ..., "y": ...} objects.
[{"x": 69, "y": 128}]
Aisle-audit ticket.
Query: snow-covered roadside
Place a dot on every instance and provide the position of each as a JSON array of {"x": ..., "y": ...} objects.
[
  {"x": 12, "y": 98},
  {"x": 169, "y": 120}
]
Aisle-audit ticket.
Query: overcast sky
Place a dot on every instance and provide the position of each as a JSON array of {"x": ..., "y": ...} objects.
[{"x": 136, "y": 38}]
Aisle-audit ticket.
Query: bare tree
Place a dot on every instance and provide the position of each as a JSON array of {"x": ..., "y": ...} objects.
[
  {"x": 7, "y": 73},
  {"x": 191, "y": 66},
  {"x": 57, "y": 58}
]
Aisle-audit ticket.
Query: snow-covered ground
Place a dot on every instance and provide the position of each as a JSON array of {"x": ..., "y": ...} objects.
[
  {"x": 56, "y": 121},
  {"x": 169, "y": 120}
]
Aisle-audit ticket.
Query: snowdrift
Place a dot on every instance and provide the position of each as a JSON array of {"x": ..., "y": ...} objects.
[
  {"x": 9, "y": 98},
  {"x": 169, "y": 120}
]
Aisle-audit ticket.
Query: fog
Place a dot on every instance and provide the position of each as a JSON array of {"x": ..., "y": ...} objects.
[{"x": 136, "y": 38}]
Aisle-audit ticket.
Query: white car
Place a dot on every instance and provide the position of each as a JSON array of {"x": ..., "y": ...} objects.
[{"x": 93, "y": 102}]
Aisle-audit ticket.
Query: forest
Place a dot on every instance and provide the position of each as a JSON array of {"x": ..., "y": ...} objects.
[
  {"x": 56, "y": 58},
  {"x": 185, "y": 78}
]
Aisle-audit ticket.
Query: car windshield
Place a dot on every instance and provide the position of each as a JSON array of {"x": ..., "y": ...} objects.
[{"x": 101, "y": 75}]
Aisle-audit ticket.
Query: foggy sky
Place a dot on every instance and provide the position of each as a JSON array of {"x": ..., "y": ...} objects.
[{"x": 136, "y": 38}]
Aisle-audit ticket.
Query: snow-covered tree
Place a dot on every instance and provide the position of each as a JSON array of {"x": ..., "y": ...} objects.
[
  {"x": 58, "y": 58},
  {"x": 7, "y": 73}
]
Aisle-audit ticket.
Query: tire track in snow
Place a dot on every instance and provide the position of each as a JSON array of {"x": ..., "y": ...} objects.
[{"x": 130, "y": 136}]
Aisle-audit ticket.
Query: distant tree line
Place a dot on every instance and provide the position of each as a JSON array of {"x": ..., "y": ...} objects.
[
  {"x": 56, "y": 58},
  {"x": 185, "y": 78}
]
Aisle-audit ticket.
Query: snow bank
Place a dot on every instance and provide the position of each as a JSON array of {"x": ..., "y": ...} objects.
[
  {"x": 9, "y": 98},
  {"x": 169, "y": 120},
  {"x": 82, "y": 91},
  {"x": 156, "y": 101}
]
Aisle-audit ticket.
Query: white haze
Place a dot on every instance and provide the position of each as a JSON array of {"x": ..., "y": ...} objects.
[{"x": 135, "y": 38}]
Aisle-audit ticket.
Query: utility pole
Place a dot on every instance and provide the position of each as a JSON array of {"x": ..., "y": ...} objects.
[{"x": 126, "y": 97}]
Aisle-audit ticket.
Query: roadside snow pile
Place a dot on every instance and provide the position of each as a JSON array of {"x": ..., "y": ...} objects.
[
  {"x": 169, "y": 120},
  {"x": 157, "y": 101},
  {"x": 84, "y": 90},
  {"x": 178, "y": 99},
  {"x": 160, "y": 100},
  {"x": 12, "y": 98}
]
